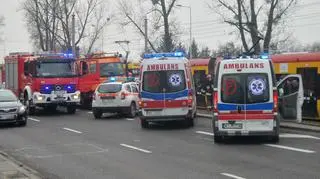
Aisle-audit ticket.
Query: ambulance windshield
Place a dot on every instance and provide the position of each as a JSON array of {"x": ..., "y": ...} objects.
[
  {"x": 111, "y": 69},
  {"x": 56, "y": 69},
  {"x": 170, "y": 81},
  {"x": 245, "y": 88}
]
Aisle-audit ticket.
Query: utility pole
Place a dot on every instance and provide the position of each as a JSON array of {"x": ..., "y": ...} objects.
[
  {"x": 73, "y": 36},
  {"x": 145, "y": 35},
  {"x": 127, "y": 53}
]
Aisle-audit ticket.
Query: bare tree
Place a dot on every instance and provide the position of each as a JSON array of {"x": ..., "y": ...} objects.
[
  {"x": 49, "y": 22},
  {"x": 245, "y": 15},
  {"x": 161, "y": 9}
]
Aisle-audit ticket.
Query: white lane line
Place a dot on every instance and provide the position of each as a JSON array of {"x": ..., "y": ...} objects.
[
  {"x": 90, "y": 112},
  {"x": 232, "y": 176},
  {"x": 72, "y": 130},
  {"x": 32, "y": 119},
  {"x": 291, "y": 148},
  {"x": 205, "y": 133},
  {"x": 129, "y": 119},
  {"x": 136, "y": 148},
  {"x": 299, "y": 136}
]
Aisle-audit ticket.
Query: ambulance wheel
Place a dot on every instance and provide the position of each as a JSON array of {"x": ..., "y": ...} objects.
[
  {"x": 275, "y": 139},
  {"x": 144, "y": 124},
  {"x": 132, "y": 110},
  {"x": 218, "y": 139},
  {"x": 189, "y": 122},
  {"x": 97, "y": 114},
  {"x": 71, "y": 110}
]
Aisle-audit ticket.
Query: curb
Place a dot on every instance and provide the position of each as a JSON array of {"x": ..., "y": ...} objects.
[
  {"x": 21, "y": 169},
  {"x": 302, "y": 127}
]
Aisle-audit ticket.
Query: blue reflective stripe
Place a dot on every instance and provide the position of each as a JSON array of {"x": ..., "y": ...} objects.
[
  {"x": 233, "y": 107},
  {"x": 160, "y": 96}
]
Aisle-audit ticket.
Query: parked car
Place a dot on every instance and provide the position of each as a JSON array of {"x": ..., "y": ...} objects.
[
  {"x": 11, "y": 109},
  {"x": 116, "y": 97}
]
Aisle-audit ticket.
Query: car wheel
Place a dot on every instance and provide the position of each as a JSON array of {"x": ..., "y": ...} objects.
[
  {"x": 144, "y": 124},
  {"x": 133, "y": 110},
  {"x": 23, "y": 123}
]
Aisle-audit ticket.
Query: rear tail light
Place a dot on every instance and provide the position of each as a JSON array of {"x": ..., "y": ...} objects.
[
  {"x": 123, "y": 95},
  {"x": 190, "y": 98},
  {"x": 275, "y": 100},
  {"x": 215, "y": 101},
  {"x": 140, "y": 104}
]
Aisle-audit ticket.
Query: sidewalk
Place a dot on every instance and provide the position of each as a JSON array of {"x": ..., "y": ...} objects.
[
  {"x": 312, "y": 126},
  {"x": 11, "y": 169}
]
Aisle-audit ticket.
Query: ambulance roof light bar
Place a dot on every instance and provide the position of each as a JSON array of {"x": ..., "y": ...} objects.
[{"x": 163, "y": 55}]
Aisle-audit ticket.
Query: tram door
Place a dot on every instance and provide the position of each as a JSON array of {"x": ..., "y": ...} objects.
[{"x": 309, "y": 78}]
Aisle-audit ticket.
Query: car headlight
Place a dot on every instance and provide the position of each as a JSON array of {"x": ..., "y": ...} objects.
[
  {"x": 22, "y": 109},
  {"x": 39, "y": 97},
  {"x": 75, "y": 96}
]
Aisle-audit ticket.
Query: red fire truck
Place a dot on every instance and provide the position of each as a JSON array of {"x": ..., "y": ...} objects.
[
  {"x": 95, "y": 69},
  {"x": 44, "y": 80}
]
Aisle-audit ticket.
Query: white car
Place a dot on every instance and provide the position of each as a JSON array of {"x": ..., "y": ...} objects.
[{"x": 116, "y": 97}]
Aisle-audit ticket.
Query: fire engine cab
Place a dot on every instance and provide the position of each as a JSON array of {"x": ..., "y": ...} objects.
[
  {"x": 44, "y": 80},
  {"x": 167, "y": 89}
]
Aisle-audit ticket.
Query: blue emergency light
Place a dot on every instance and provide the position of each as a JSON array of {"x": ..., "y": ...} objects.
[
  {"x": 113, "y": 79},
  {"x": 264, "y": 55},
  {"x": 160, "y": 55},
  {"x": 68, "y": 55}
]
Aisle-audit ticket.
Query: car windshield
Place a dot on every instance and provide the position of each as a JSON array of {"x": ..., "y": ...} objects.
[
  {"x": 245, "y": 88},
  {"x": 109, "y": 88},
  {"x": 111, "y": 69},
  {"x": 7, "y": 96},
  {"x": 159, "y": 81},
  {"x": 56, "y": 69}
]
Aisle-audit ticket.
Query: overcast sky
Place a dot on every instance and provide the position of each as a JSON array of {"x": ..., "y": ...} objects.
[{"x": 304, "y": 23}]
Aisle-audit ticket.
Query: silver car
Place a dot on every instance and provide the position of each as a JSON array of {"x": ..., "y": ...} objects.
[{"x": 12, "y": 111}]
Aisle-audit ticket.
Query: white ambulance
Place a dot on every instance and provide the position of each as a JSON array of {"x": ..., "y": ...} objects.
[
  {"x": 245, "y": 99},
  {"x": 166, "y": 89}
]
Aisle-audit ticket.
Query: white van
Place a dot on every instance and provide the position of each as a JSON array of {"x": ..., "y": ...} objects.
[
  {"x": 166, "y": 89},
  {"x": 245, "y": 99}
]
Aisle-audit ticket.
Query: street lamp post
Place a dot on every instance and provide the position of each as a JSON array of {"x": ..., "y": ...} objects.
[{"x": 190, "y": 30}]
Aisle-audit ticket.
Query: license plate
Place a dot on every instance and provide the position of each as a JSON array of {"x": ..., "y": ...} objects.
[
  {"x": 107, "y": 97},
  {"x": 232, "y": 126},
  {"x": 154, "y": 113},
  {"x": 60, "y": 93},
  {"x": 5, "y": 117}
]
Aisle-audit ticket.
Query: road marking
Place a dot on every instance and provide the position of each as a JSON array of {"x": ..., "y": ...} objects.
[
  {"x": 90, "y": 112},
  {"x": 32, "y": 119},
  {"x": 130, "y": 119},
  {"x": 72, "y": 130},
  {"x": 205, "y": 133},
  {"x": 300, "y": 136},
  {"x": 232, "y": 176},
  {"x": 136, "y": 148},
  {"x": 291, "y": 148}
]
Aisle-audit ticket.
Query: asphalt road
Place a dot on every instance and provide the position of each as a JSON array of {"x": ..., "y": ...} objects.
[{"x": 77, "y": 146}]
